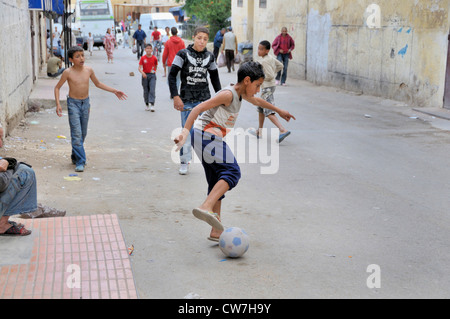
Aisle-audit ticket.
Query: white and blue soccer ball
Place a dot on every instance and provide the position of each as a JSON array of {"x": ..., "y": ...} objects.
[{"x": 234, "y": 242}]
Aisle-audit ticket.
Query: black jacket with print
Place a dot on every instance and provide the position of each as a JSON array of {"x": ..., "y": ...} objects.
[{"x": 194, "y": 67}]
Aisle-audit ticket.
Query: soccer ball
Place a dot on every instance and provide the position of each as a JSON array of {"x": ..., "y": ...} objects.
[{"x": 234, "y": 242}]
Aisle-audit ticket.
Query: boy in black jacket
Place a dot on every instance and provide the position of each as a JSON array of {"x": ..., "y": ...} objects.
[{"x": 194, "y": 63}]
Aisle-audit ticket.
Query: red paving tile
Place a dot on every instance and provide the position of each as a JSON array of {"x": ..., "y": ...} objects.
[{"x": 72, "y": 257}]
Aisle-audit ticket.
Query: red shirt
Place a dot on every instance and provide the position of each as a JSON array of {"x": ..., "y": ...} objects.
[
  {"x": 149, "y": 63},
  {"x": 156, "y": 35}
]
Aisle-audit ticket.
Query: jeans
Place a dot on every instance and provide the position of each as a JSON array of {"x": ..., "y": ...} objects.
[
  {"x": 149, "y": 85},
  {"x": 283, "y": 58},
  {"x": 58, "y": 73},
  {"x": 186, "y": 150},
  {"x": 78, "y": 121},
  {"x": 20, "y": 196}
]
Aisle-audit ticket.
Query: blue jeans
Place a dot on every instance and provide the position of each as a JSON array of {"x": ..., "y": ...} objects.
[
  {"x": 78, "y": 121},
  {"x": 186, "y": 150},
  {"x": 283, "y": 58},
  {"x": 20, "y": 196}
]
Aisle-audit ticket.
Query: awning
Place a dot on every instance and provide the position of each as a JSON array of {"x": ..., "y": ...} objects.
[
  {"x": 179, "y": 10},
  {"x": 56, "y": 6}
]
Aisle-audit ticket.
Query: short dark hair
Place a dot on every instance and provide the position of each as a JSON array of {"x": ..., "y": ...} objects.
[
  {"x": 252, "y": 69},
  {"x": 72, "y": 51},
  {"x": 265, "y": 44},
  {"x": 149, "y": 45},
  {"x": 174, "y": 31},
  {"x": 201, "y": 29}
]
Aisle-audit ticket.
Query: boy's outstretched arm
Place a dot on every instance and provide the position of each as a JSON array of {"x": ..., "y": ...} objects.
[
  {"x": 264, "y": 104},
  {"x": 120, "y": 95},
  {"x": 57, "y": 88},
  {"x": 223, "y": 98}
]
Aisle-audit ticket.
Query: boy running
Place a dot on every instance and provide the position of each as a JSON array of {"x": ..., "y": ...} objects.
[{"x": 271, "y": 67}]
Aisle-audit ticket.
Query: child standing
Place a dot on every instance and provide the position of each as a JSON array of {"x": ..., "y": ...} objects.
[
  {"x": 147, "y": 66},
  {"x": 218, "y": 116},
  {"x": 271, "y": 67},
  {"x": 78, "y": 102},
  {"x": 194, "y": 63}
]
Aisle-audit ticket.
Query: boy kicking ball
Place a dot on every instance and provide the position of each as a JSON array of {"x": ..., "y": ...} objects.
[{"x": 218, "y": 117}]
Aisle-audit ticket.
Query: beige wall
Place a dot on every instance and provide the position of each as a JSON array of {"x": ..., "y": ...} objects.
[
  {"x": 394, "y": 49},
  {"x": 18, "y": 69}
]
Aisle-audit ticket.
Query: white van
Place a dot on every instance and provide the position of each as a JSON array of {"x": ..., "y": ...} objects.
[{"x": 161, "y": 20}]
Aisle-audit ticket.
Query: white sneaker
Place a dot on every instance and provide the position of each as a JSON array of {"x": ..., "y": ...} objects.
[
  {"x": 152, "y": 108},
  {"x": 147, "y": 108},
  {"x": 184, "y": 169}
]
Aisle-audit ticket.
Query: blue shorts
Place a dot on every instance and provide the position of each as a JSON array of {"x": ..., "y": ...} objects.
[{"x": 217, "y": 159}]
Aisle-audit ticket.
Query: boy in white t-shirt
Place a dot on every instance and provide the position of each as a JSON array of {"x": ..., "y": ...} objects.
[{"x": 271, "y": 67}]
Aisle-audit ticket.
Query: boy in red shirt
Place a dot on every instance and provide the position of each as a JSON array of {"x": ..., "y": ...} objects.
[{"x": 147, "y": 66}]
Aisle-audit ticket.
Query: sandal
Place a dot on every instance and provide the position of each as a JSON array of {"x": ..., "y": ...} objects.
[
  {"x": 209, "y": 217},
  {"x": 215, "y": 239},
  {"x": 14, "y": 230},
  {"x": 15, "y": 224}
]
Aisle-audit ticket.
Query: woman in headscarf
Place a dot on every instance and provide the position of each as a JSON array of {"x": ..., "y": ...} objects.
[{"x": 109, "y": 42}]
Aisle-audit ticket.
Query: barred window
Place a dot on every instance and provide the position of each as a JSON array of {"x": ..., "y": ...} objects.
[{"x": 240, "y": 3}]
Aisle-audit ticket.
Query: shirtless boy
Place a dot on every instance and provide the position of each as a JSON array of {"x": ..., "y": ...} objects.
[{"x": 78, "y": 104}]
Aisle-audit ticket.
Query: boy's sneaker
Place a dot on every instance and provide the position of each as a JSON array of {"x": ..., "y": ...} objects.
[
  {"x": 79, "y": 168},
  {"x": 283, "y": 136},
  {"x": 254, "y": 132},
  {"x": 146, "y": 107},
  {"x": 184, "y": 169},
  {"x": 152, "y": 108}
]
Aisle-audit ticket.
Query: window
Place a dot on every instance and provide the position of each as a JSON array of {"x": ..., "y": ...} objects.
[
  {"x": 240, "y": 3},
  {"x": 263, "y": 3}
]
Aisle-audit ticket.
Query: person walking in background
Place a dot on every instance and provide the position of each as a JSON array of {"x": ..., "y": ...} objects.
[
  {"x": 282, "y": 48},
  {"x": 230, "y": 47},
  {"x": 171, "y": 48},
  {"x": 139, "y": 40},
  {"x": 218, "y": 39},
  {"x": 90, "y": 43},
  {"x": 109, "y": 42}
]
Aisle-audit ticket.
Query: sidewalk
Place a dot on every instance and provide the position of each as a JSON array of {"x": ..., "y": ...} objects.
[{"x": 77, "y": 257}]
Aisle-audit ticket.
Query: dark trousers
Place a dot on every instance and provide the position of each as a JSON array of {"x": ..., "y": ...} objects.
[
  {"x": 140, "y": 48},
  {"x": 149, "y": 85},
  {"x": 229, "y": 55},
  {"x": 216, "y": 52}
]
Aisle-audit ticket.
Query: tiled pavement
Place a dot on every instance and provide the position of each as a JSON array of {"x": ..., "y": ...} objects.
[{"x": 71, "y": 258}]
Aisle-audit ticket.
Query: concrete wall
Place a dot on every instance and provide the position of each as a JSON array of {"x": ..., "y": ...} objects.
[
  {"x": 394, "y": 49},
  {"x": 16, "y": 64}
]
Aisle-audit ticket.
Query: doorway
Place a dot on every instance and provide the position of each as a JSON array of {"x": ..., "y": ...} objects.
[{"x": 447, "y": 79}]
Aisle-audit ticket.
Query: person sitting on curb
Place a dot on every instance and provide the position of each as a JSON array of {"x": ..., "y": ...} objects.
[
  {"x": 54, "y": 66},
  {"x": 18, "y": 194}
]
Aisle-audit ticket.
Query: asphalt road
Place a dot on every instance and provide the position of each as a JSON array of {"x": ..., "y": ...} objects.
[{"x": 361, "y": 181}]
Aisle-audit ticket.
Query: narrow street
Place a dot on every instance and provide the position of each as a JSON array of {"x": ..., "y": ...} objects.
[{"x": 360, "y": 181}]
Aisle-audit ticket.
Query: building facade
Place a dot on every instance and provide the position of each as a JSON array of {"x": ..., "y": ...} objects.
[
  {"x": 22, "y": 56},
  {"x": 393, "y": 49}
]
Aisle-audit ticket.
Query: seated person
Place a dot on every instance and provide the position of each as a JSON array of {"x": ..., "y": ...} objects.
[
  {"x": 18, "y": 195},
  {"x": 54, "y": 66}
]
